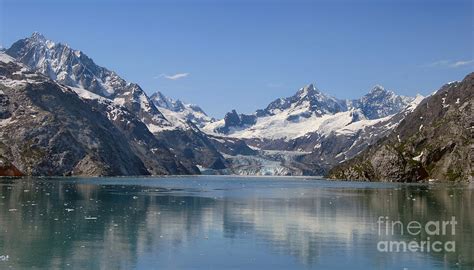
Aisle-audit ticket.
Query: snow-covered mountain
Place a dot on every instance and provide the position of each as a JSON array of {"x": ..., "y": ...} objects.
[
  {"x": 47, "y": 128},
  {"x": 328, "y": 130},
  {"x": 308, "y": 100},
  {"x": 380, "y": 103},
  {"x": 74, "y": 68},
  {"x": 311, "y": 111},
  {"x": 175, "y": 110},
  {"x": 66, "y": 65}
]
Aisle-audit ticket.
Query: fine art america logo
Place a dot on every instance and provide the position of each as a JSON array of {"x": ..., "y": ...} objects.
[{"x": 430, "y": 231}]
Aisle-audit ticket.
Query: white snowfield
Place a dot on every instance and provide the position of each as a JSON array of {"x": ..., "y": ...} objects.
[
  {"x": 412, "y": 106},
  {"x": 177, "y": 118},
  {"x": 116, "y": 107},
  {"x": 5, "y": 58},
  {"x": 85, "y": 94},
  {"x": 176, "y": 110},
  {"x": 279, "y": 127}
]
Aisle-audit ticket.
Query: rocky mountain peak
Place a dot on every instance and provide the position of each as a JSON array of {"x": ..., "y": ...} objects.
[
  {"x": 177, "y": 109},
  {"x": 380, "y": 102},
  {"x": 66, "y": 65},
  {"x": 40, "y": 41},
  {"x": 377, "y": 89},
  {"x": 172, "y": 104},
  {"x": 162, "y": 101},
  {"x": 306, "y": 91},
  {"x": 37, "y": 36},
  {"x": 309, "y": 99},
  {"x": 232, "y": 118},
  {"x": 73, "y": 68}
]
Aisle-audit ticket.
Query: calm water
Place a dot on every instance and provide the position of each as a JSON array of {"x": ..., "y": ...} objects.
[{"x": 224, "y": 223}]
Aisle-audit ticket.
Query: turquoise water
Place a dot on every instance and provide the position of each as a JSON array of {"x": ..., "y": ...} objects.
[{"x": 212, "y": 222}]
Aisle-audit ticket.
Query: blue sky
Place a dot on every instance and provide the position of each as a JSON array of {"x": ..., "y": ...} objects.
[{"x": 243, "y": 54}]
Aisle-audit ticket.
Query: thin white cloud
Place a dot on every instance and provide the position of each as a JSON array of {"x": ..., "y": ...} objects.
[
  {"x": 448, "y": 64},
  {"x": 174, "y": 77},
  {"x": 439, "y": 63},
  {"x": 462, "y": 63}
]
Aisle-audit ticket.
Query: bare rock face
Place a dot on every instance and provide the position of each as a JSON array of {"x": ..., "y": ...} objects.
[
  {"x": 435, "y": 141},
  {"x": 388, "y": 164},
  {"x": 232, "y": 146},
  {"x": 233, "y": 120},
  {"x": 193, "y": 147},
  {"x": 8, "y": 169}
]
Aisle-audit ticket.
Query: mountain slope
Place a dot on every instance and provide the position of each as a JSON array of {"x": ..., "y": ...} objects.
[
  {"x": 75, "y": 69},
  {"x": 48, "y": 129},
  {"x": 435, "y": 141}
]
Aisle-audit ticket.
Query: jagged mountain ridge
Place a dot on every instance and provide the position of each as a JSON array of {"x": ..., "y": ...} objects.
[
  {"x": 309, "y": 104},
  {"x": 435, "y": 141},
  {"x": 176, "y": 110},
  {"x": 310, "y": 97},
  {"x": 380, "y": 103},
  {"x": 75, "y": 69},
  {"x": 48, "y": 129}
]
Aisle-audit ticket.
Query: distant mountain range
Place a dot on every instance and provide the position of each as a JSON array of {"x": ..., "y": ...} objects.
[
  {"x": 314, "y": 130},
  {"x": 61, "y": 114}
]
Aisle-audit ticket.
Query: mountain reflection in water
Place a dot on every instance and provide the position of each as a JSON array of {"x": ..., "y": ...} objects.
[{"x": 222, "y": 222}]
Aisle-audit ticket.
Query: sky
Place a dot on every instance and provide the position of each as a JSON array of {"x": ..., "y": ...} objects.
[{"x": 242, "y": 54}]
